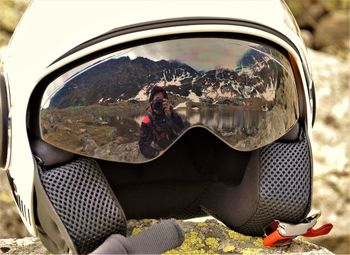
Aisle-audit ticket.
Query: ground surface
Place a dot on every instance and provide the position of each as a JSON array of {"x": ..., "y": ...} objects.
[{"x": 208, "y": 237}]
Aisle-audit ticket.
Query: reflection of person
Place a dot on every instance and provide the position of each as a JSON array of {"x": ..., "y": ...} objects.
[{"x": 161, "y": 126}]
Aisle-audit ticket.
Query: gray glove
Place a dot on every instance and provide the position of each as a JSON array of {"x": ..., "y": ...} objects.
[{"x": 157, "y": 239}]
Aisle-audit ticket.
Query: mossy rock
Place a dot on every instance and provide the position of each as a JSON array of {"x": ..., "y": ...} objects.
[
  {"x": 212, "y": 237},
  {"x": 11, "y": 12}
]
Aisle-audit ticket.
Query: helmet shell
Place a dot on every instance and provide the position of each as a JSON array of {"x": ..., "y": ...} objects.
[{"x": 49, "y": 29}]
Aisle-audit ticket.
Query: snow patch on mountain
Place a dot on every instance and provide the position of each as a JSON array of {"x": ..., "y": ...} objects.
[
  {"x": 216, "y": 85},
  {"x": 269, "y": 93},
  {"x": 106, "y": 101},
  {"x": 181, "y": 105},
  {"x": 141, "y": 95},
  {"x": 193, "y": 97}
]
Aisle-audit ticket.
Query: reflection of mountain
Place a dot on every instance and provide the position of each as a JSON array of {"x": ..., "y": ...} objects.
[{"x": 122, "y": 79}]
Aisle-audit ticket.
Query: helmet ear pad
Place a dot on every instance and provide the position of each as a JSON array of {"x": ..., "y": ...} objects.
[
  {"x": 276, "y": 185},
  {"x": 77, "y": 209}
]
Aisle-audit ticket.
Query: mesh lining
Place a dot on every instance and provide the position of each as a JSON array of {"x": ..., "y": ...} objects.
[
  {"x": 90, "y": 211},
  {"x": 84, "y": 202},
  {"x": 285, "y": 185}
]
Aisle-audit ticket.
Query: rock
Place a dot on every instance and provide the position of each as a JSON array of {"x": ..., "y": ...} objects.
[
  {"x": 10, "y": 222},
  {"x": 206, "y": 237},
  {"x": 11, "y": 11},
  {"x": 212, "y": 237},
  {"x": 119, "y": 151},
  {"x": 331, "y": 137},
  {"x": 4, "y": 38},
  {"x": 89, "y": 144},
  {"x": 331, "y": 148},
  {"x": 113, "y": 134},
  {"x": 332, "y": 32},
  {"x": 307, "y": 37},
  {"x": 9, "y": 218},
  {"x": 28, "y": 245},
  {"x": 327, "y": 21},
  {"x": 308, "y": 12}
]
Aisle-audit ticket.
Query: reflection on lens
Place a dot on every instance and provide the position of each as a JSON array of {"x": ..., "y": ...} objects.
[{"x": 130, "y": 106}]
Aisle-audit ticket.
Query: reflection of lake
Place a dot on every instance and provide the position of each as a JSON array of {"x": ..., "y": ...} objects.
[
  {"x": 220, "y": 118},
  {"x": 116, "y": 129}
]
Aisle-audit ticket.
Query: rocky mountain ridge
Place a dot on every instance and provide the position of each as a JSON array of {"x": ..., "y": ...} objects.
[{"x": 115, "y": 80}]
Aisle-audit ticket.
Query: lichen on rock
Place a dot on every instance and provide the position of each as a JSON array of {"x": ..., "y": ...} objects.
[
  {"x": 212, "y": 237},
  {"x": 209, "y": 237}
]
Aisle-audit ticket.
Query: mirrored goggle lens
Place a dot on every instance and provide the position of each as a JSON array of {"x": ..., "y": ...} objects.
[{"x": 131, "y": 105}]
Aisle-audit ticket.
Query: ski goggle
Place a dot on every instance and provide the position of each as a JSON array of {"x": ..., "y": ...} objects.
[{"x": 131, "y": 105}]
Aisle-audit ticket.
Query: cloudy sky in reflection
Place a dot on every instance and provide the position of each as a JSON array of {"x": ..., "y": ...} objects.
[
  {"x": 199, "y": 53},
  {"x": 202, "y": 54}
]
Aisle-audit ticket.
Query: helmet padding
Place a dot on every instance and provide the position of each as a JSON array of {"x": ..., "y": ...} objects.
[
  {"x": 84, "y": 203},
  {"x": 244, "y": 190}
]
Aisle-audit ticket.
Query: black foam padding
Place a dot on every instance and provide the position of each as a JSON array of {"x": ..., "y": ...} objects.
[
  {"x": 85, "y": 203},
  {"x": 49, "y": 155},
  {"x": 4, "y": 119},
  {"x": 172, "y": 185},
  {"x": 284, "y": 191},
  {"x": 276, "y": 186},
  {"x": 293, "y": 134}
]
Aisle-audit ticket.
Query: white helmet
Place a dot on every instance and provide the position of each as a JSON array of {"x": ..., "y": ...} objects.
[{"x": 226, "y": 131}]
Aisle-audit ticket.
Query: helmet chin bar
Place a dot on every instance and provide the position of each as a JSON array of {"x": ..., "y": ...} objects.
[{"x": 78, "y": 209}]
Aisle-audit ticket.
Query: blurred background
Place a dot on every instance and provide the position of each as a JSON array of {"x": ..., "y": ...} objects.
[{"x": 325, "y": 29}]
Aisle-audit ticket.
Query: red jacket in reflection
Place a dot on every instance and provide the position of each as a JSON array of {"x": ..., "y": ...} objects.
[{"x": 158, "y": 131}]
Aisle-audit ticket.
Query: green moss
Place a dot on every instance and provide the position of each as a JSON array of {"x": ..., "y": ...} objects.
[
  {"x": 236, "y": 236},
  {"x": 229, "y": 248},
  {"x": 192, "y": 245},
  {"x": 258, "y": 242},
  {"x": 202, "y": 224},
  {"x": 149, "y": 221},
  {"x": 212, "y": 243},
  {"x": 5, "y": 197},
  {"x": 252, "y": 251},
  {"x": 135, "y": 231}
]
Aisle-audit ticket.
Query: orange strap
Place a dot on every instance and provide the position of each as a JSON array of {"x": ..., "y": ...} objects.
[
  {"x": 324, "y": 230},
  {"x": 276, "y": 239}
]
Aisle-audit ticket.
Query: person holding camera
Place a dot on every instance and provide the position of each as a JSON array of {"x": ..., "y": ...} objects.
[{"x": 161, "y": 126}]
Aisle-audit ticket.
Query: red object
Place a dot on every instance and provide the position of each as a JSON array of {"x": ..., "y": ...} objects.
[
  {"x": 276, "y": 239},
  {"x": 146, "y": 120},
  {"x": 324, "y": 230}
]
